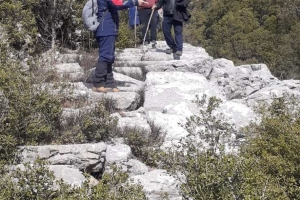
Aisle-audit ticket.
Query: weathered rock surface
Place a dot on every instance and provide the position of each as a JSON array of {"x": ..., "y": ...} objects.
[
  {"x": 166, "y": 96},
  {"x": 82, "y": 156}
]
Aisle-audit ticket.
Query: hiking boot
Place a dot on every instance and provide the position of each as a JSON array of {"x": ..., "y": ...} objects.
[
  {"x": 146, "y": 43},
  {"x": 100, "y": 89},
  {"x": 153, "y": 43},
  {"x": 112, "y": 89},
  {"x": 169, "y": 51},
  {"x": 178, "y": 53}
]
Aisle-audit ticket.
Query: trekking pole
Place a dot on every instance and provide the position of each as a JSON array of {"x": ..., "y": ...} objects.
[
  {"x": 135, "y": 13},
  {"x": 148, "y": 26}
]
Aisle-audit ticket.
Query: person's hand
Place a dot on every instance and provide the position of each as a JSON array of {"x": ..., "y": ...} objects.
[
  {"x": 154, "y": 6},
  {"x": 141, "y": 2}
]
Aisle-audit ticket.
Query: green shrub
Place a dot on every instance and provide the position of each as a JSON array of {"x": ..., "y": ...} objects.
[
  {"x": 115, "y": 186},
  {"x": 97, "y": 125},
  {"x": 33, "y": 116},
  {"x": 267, "y": 166},
  {"x": 35, "y": 181},
  {"x": 275, "y": 144},
  {"x": 216, "y": 129},
  {"x": 19, "y": 23},
  {"x": 145, "y": 145}
]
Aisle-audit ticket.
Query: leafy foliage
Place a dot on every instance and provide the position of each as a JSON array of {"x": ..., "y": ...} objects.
[
  {"x": 33, "y": 115},
  {"x": 276, "y": 142},
  {"x": 19, "y": 24},
  {"x": 266, "y": 167},
  {"x": 145, "y": 145},
  {"x": 35, "y": 181}
]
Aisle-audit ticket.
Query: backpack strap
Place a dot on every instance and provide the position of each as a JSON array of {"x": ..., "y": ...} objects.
[
  {"x": 103, "y": 16},
  {"x": 93, "y": 8}
]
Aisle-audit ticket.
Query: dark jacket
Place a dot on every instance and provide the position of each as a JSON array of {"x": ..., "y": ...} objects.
[
  {"x": 109, "y": 24},
  {"x": 167, "y": 5},
  {"x": 181, "y": 12},
  {"x": 177, "y": 8}
]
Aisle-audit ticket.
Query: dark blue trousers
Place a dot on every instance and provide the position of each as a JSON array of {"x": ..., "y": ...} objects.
[
  {"x": 103, "y": 72},
  {"x": 144, "y": 15},
  {"x": 167, "y": 24}
]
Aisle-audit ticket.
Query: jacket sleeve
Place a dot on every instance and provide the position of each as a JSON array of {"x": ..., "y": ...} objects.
[
  {"x": 159, "y": 4},
  {"x": 183, "y": 3},
  {"x": 127, "y": 4}
]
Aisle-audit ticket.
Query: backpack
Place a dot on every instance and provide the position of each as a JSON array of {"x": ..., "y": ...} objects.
[
  {"x": 89, "y": 15},
  {"x": 150, "y": 4}
]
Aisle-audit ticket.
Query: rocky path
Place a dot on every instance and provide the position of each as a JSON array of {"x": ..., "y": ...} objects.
[{"x": 157, "y": 87}]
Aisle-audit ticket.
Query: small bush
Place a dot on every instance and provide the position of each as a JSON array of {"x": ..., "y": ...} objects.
[
  {"x": 115, "y": 186},
  {"x": 97, "y": 125},
  {"x": 145, "y": 145}
]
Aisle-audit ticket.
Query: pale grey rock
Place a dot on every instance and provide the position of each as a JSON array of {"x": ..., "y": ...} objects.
[
  {"x": 267, "y": 94},
  {"x": 82, "y": 156},
  {"x": 196, "y": 65},
  {"x": 68, "y": 173},
  {"x": 239, "y": 82},
  {"x": 126, "y": 99},
  {"x": 68, "y": 58},
  {"x": 129, "y": 57},
  {"x": 171, "y": 124},
  {"x": 160, "y": 67},
  {"x": 118, "y": 153},
  {"x": 176, "y": 89},
  {"x": 157, "y": 182},
  {"x": 138, "y": 63},
  {"x": 237, "y": 112},
  {"x": 126, "y": 83},
  {"x": 157, "y": 56},
  {"x": 292, "y": 84},
  {"x": 129, "y": 52},
  {"x": 136, "y": 167},
  {"x": 136, "y": 113},
  {"x": 130, "y": 71},
  {"x": 134, "y": 122},
  {"x": 70, "y": 71}
]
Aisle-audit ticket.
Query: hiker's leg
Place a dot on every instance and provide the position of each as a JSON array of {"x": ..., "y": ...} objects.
[
  {"x": 178, "y": 34},
  {"x": 101, "y": 66},
  {"x": 153, "y": 25},
  {"x": 110, "y": 81},
  {"x": 110, "y": 44},
  {"x": 166, "y": 26},
  {"x": 144, "y": 18},
  {"x": 107, "y": 49}
]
